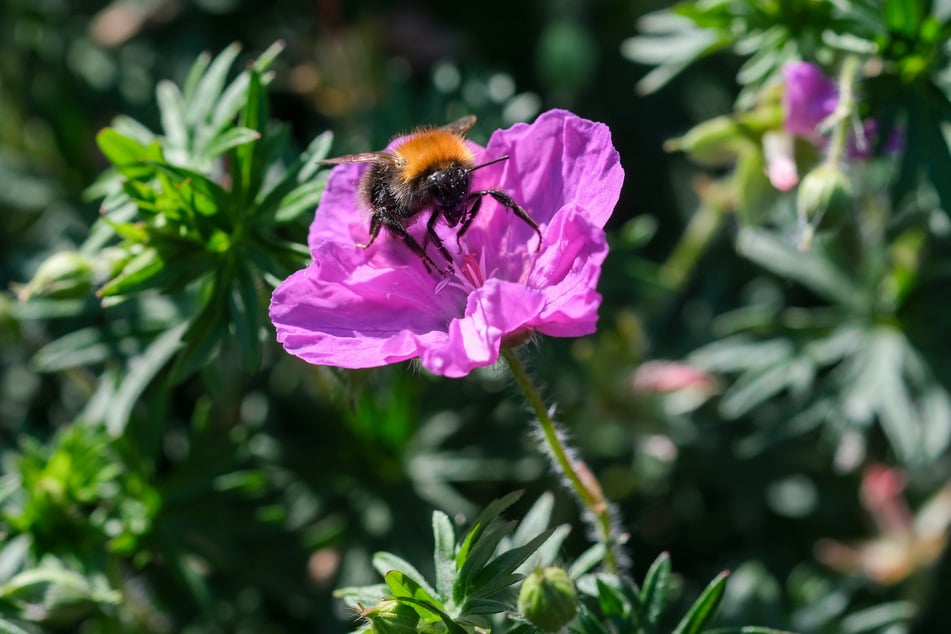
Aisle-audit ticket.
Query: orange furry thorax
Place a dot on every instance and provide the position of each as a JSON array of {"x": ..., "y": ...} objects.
[{"x": 429, "y": 151}]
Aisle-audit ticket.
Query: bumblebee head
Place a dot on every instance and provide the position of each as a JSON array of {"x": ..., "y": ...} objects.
[{"x": 449, "y": 189}]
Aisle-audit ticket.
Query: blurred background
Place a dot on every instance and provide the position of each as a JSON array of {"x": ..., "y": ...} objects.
[{"x": 236, "y": 501}]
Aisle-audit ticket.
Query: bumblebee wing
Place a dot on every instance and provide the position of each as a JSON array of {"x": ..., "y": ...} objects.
[
  {"x": 363, "y": 157},
  {"x": 460, "y": 127}
]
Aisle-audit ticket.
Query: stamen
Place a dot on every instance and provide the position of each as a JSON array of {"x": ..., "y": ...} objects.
[{"x": 472, "y": 270}]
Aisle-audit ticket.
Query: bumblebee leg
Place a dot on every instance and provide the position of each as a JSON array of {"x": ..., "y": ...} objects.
[
  {"x": 470, "y": 215},
  {"x": 432, "y": 235},
  {"x": 375, "y": 223},
  {"x": 507, "y": 201},
  {"x": 395, "y": 227}
]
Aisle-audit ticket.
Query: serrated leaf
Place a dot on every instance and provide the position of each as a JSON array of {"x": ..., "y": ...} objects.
[
  {"x": 444, "y": 553},
  {"x": 704, "y": 608},
  {"x": 656, "y": 585}
]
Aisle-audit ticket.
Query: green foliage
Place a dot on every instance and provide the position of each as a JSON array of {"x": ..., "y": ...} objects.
[
  {"x": 190, "y": 221},
  {"x": 474, "y": 575},
  {"x": 164, "y": 467}
]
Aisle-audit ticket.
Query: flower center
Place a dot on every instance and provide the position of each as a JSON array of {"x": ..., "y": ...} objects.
[{"x": 472, "y": 270}]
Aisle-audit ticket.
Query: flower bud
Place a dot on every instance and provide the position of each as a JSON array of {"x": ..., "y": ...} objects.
[
  {"x": 713, "y": 143},
  {"x": 825, "y": 195},
  {"x": 63, "y": 275},
  {"x": 391, "y": 617},
  {"x": 548, "y": 599}
]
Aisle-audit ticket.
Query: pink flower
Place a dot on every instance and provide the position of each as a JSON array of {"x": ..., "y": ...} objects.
[
  {"x": 809, "y": 98},
  {"x": 358, "y": 308}
]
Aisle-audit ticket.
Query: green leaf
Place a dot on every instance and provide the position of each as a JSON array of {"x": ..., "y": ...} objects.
[
  {"x": 140, "y": 372},
  {"x": 245, "y": 309},
  {"x": 137, "y": 275},
  {"x": 809, "y": 268},
  {"x": 405, "y": 587},
  {"x": 13, "y": 556},
  {"x": 248, "y": 160},
  {"x": 612, "y": 601},
  {"x": 265, "y": 59},
  {"x": 229, "y": 139},
  {"x": 587, "y": 560},
  {"x": 500, "y": 572},
  {"x": 174, "y": 114},
  {"x": 128, "y": 154},
  {"x": 194, "y": 190},
  {"x": 269, "y": 201},
  {"x": 303, "y": 199},
  {"x": 656, "y": 585},
  {"x": 384, "y": 563},
  {"x": 208, "y": 89},
  {"x": 79, "y": 347},
  {"x": 444, "y": 553},
  {"x": 536, "y": 520},
  {"x": 704, "y": 608},
  {"x": 195, "y": 73},
  {"x": 491, "y": 512},
  {"x": 747, "y": 629},
  {"x": 204, "y": 334},
  {"x": 9, "y": 627}
]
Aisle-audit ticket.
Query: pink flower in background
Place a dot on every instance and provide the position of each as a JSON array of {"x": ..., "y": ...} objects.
[
  {"x": 358, "y": 308},
  {"x": 809, "y": 97}
]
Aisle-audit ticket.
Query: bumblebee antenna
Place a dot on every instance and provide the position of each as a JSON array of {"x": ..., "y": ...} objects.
[{"x": 487, "y": 163}]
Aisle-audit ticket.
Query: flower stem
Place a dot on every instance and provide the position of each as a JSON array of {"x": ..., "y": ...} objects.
[
  {"x": 842, "y": 117},
  {"x": 583, "y": 483}
]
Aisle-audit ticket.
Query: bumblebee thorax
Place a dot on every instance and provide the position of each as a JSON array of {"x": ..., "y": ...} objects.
[{"x": 424, "y": 153}]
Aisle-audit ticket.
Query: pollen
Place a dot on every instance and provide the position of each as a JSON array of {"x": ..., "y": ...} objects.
[{"x": 431, "y": 150}]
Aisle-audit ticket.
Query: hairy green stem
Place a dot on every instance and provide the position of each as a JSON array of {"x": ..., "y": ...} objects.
[
  {"x": 844, "y": 114},
  {"x": 583, "y": 482}
]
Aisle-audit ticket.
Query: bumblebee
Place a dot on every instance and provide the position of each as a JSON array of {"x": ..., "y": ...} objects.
[{"x": 429, "y": 170}]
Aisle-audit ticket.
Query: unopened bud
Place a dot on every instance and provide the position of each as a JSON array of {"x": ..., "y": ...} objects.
[
  {"x": 548, "y": 599},
  {"x": 63, "y": 275},
  {"x": 825, "y": 196},
  {"x": 714, "y": 143},
  {"x": 391, "y": 617}
]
